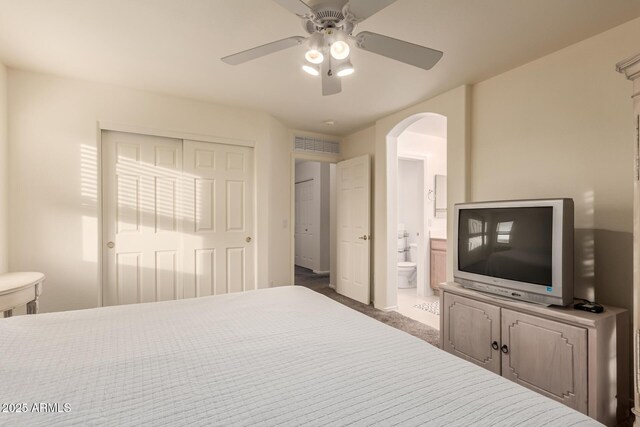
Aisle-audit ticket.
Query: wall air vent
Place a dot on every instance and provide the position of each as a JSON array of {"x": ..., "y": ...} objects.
[{"x": 315, "y": 145}]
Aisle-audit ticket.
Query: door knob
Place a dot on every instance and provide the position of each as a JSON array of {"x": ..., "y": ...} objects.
[
  {"x": 248, "y": 239},
  {"x": 365, "y": 237},
  {"x": 111, "y": 245},
  {"x": 504, "y": 349},
  {"x": 494, "y": 345}
]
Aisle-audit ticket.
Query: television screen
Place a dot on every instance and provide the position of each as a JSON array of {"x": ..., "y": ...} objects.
[{"x": 507, "y": 243}]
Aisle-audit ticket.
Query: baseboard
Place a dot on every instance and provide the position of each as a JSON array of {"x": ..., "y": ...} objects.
[
  {"x": 392, "y": 308},
  {"x": 321, "y": 273}
]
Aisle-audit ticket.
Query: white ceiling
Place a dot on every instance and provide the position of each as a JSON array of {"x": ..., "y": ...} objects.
[{"x": 174, "y": 46}]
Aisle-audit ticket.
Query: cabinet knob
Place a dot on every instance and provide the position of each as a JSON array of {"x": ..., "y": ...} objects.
[
  {"x": 248, "y": 239},
  {"x": 494, "y": 345},
  {"x": 504, "y": 349},
  {"x": 110, "y": 245}
]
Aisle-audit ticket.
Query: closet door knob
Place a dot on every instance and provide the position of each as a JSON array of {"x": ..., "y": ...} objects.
[
  {"x": 248, "y": 239},
  {"x": 365, "y": 237},
  {"x": 110, "y": 245},
  {"x": 494, "y": 345},
  {"x": 504, "y": 349}
]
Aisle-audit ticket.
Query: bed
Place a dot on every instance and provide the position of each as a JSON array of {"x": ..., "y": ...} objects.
[{"x": 281, "y": 356}]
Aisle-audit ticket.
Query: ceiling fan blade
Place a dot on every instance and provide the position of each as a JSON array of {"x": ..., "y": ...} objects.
[
  {"x": 409, "y": 53},
  {"x": 297, "y": 7},
  {"x": 331, "y": 84},
  {"x": 265, "y": 49},
  {"x": 362, "y": 9}
]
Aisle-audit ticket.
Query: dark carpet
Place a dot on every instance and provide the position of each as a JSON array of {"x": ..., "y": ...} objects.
[{"x": 320, "y": 284}]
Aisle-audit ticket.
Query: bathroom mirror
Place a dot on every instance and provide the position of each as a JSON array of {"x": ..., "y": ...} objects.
[{"x": 441, "y": 196}]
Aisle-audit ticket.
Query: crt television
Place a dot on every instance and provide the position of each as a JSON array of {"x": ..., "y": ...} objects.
[{"x": 521, "y": 249}]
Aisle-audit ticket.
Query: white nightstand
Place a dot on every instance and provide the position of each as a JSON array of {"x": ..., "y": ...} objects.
[{"x": 18, "y": 289}]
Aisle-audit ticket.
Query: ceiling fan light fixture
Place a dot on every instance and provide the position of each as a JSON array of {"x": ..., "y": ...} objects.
[
  {"x": 310, "y": 69},
  {"x": 315, "y": 46},
  {"x": 344, "y": 69},
  {"x": 314, "y": 56},
  {"x": 330, "y": 26},
  {"x": 340, "y": 49}
]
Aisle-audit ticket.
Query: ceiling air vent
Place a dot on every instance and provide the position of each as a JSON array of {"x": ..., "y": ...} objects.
[{"x": 315, "y": 145}]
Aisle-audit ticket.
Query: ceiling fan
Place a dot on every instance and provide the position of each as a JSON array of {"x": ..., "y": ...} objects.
[{"x": 330, "y": 24}]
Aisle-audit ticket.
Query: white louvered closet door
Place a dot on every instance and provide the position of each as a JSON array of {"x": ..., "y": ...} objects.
[{"x": 177, "y": 217}]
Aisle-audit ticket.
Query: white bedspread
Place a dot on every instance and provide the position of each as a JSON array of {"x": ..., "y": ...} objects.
[{"x": 283, "y": 356}]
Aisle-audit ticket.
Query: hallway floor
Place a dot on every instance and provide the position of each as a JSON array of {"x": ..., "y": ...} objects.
[
  {"x": 320, "y": 284},
  {"x": 408, "y": 299}
]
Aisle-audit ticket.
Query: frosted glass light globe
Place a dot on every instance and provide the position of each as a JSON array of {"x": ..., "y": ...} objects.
[
  {"x": 311, "y": 70},
  {"x": 314, "y": 56},
  {"x": 340, "y": 49}
]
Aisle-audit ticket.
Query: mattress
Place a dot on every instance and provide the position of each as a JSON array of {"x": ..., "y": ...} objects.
[{"x": 281, "y": 356}]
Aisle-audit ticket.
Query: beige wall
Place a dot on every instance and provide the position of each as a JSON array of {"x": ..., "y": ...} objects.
[
  {"x": 279, "y": 199},
  {"x": 561, "y": 126},
  {"x": 53, "y": 175},
  {"x": 358, "y": 143},
  {"x": 4, "y": 173},
  {"x": 454, "y": 105}
]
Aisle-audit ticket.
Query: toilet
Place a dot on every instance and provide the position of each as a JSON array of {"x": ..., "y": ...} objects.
[{"x": 407, "y": 269}]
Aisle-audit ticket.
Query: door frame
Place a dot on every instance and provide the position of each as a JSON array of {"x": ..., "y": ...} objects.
[
  {"x": 313, "y": 157},
  {"x": 423, "y": 262},
  {"x": 631, "y": 69},
  {"x": 391, "y": 166},
  {"x": 121, "y": 127}
]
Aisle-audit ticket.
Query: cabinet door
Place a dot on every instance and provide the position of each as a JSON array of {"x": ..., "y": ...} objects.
[
  {"x": 438, "y": 268},
  {"x": 470, "y": 327},
  {"x": 546, "y": 356}
]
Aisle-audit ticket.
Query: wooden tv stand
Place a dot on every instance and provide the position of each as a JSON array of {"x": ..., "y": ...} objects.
[{"x": 575, "y": 357}]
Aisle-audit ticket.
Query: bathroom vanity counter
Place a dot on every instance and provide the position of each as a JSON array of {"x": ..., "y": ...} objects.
[{"x": 437, "y": 233}]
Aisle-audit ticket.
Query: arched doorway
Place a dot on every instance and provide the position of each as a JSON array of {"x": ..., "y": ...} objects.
[{"x": 416, "y": 161}]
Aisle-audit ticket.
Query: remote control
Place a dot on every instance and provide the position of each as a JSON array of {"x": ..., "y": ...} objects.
[{"x": 589, "y": 306}]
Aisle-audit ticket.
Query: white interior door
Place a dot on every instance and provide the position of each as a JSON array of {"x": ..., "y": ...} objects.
[
  {"x": 298, "y": 226},
  {"x": 353, "y": 191},
  {"x": 141, "y": 176},
  {"x": 219, "y": 224},
  {"x": 308, "y": 232},
  {"x": 177, "y": 218},
  {"x": 305, "y": 226}
]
